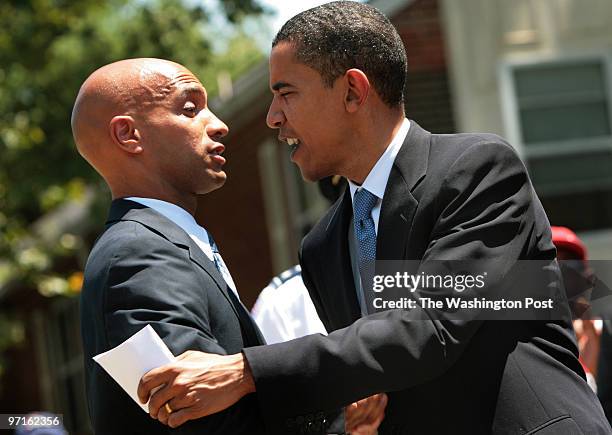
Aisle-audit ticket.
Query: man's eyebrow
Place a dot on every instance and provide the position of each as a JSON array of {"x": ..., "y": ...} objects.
[
  {"x": 194, "y": 89},
  {"x": 279, "y": 85}
]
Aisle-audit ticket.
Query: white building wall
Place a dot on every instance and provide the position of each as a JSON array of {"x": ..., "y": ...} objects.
[{"x": 483, "y": 35}]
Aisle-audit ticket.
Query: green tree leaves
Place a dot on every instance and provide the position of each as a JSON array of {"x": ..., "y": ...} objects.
[{"x": 47, "y": 49}]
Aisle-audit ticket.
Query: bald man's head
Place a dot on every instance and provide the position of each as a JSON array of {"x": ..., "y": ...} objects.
[
  {"x": 137, "y": 121},
  {"x": 120, "y": 88}
]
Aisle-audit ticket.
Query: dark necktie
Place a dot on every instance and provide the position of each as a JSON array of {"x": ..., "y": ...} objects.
[{"x": 365, "y": 236}]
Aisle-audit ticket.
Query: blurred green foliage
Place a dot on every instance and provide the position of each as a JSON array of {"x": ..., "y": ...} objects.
[{"x": 47, "y": 49}]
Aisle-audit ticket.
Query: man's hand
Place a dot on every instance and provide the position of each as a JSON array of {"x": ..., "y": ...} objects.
[
  {"x": 364, "y": 417},
  {"x": 195, "y": 385}
]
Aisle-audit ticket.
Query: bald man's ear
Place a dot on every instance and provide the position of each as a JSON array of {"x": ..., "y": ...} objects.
[
  {"x": 358, "y": 88},
  {"x": 124, "y": 134}
]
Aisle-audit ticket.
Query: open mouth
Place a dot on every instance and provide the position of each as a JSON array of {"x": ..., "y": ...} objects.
[{"x": 294, "y": 144}]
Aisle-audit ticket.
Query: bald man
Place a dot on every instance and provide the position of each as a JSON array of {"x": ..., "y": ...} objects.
[{"x": 144, "y": 125}]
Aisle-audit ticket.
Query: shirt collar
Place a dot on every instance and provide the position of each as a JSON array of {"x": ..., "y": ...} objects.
[
  {"x": 179, "y": 216},
  {"x": 376, "y": 181}
]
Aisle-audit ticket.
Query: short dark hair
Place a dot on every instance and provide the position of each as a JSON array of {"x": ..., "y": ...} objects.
[{"x": 341, "y": 35}]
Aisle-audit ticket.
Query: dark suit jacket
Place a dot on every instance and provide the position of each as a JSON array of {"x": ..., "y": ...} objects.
[
  {"x": 449, "y": 197},
  {"x": 144, "y": 269}
]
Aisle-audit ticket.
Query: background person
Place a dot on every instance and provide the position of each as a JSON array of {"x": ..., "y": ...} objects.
[{"x": 573, "y": 258}]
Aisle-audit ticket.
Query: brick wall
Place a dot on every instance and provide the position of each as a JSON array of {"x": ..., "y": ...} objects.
[
  {"x": 427, "y": 94},
  {"x": 235, "y": 213}
]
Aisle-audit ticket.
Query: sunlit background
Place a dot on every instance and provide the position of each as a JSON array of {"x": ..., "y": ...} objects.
[{"x": 538, "y": 72}]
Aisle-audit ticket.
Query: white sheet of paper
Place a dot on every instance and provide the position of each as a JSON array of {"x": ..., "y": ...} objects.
[{"x": 129, "y": 361}]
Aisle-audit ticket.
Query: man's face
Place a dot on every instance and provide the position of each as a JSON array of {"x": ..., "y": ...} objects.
[
  {"x": 309, "y": 115},
  {"x": 181, "y": 132}
]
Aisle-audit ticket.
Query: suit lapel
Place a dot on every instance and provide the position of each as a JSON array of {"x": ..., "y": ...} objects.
[
  {"x": 395, "y": 220},
  {"x": 125, "y": 210},
  {"x": 399, "y": 205},
  {"x": 250, "y": 331},
  {"x": 198, "y": 257},
  {"x": 342, "y": 286}
]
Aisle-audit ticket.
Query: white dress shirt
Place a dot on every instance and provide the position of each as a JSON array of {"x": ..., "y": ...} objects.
[
  {"x": 187, "y": 222},
  {"x": 376, "y": 181}
]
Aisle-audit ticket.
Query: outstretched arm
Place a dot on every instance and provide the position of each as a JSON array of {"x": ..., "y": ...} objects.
[
  {"x": 195, "y": 376},
  {"x": 487, "y": 211}
]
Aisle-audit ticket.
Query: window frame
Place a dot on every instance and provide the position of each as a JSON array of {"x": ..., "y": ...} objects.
[
  {"x": 510, "y": 105},
  {"x": 514, "y": 129}
]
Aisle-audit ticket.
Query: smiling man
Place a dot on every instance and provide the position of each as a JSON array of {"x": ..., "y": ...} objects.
[
  {"x": 337, "y": 73},
  {"x": 145, "y": 126}
]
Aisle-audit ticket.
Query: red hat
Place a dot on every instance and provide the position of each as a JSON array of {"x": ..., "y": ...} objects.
[{"x": 563, "y": 237}]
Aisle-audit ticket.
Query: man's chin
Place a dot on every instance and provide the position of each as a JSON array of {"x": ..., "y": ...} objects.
[
  {"x": 217, "y": 182},
  {"x": 313, "y": 176}
]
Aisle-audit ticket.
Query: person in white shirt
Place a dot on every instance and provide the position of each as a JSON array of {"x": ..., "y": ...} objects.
[{"x": 284, "y": 311}]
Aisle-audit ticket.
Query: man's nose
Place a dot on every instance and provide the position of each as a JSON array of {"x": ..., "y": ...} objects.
[
  {"x": 275, "y": 117},
  {"x": 216, "y": 129}
]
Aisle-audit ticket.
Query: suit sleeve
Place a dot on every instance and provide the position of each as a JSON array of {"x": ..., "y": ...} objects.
[
  {"x": 486, "y": 211},
  {"x": 153, "y": 282}
]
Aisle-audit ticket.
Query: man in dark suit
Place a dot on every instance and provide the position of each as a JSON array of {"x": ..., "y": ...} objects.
[
  {"x": 144, "y": 125},
  {"x": 337, "y": 73}
]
